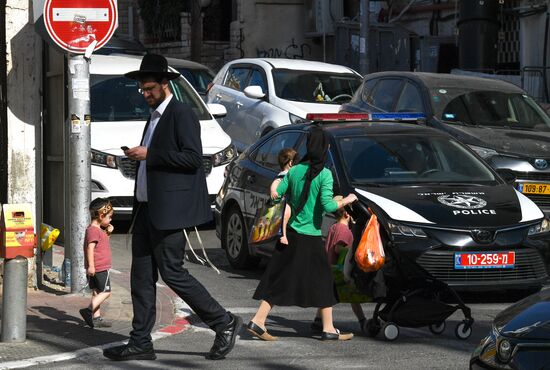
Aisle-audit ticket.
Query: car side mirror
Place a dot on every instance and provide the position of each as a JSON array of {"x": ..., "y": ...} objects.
[
  {"x": 217, "y": 110},
  {"x": 507, "y": 175},
  {"x": 254, "y": 92}
]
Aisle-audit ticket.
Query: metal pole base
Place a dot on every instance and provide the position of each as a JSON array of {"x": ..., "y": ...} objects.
[{"x": 14, "y": 300}]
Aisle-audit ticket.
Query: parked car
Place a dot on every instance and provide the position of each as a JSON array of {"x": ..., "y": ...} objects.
[
  {"x": 436, "y": 201},
  {"x": 519, "y": 337},
  {"x": 198, "y": 75},
  {"x": 123, "y": 46},
  {"x": 497, "y": 119},
  {"x": 261, "y": 94},
  {"x": 119, "y": 113}
]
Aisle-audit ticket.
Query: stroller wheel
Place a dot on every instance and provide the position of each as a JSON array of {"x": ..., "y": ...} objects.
[
  {"x": 391, "y": 331},
  {"x": 462, "y": 331},
  {"x": 437, "y": 328},
  {"x": 372, "y": 328}
]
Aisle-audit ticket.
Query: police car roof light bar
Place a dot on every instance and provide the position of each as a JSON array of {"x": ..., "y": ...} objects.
[
  {"x": 405, "y": 116},
  {"x": 338, "y": 117},
  {"x": 332, "y": 117}
]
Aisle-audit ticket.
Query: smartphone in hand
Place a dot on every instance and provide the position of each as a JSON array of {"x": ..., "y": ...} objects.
[{"x": 124, "y": 148}]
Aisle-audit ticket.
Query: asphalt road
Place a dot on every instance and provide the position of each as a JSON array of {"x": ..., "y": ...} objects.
[{"x": 296, "y": 348}]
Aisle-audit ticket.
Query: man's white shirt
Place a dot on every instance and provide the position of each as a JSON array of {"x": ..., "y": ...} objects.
[{"x": 141, "y": 189}]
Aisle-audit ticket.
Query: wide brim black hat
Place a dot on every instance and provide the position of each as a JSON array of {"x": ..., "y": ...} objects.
[{"x": 152, "y": 65}]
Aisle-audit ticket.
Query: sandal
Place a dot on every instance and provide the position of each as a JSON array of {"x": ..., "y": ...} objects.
[
  {"x": 336, "y": 336},
  {"x": 258, "y": 332}
]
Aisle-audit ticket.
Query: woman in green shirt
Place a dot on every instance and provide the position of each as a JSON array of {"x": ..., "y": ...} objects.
[{"x": 299, "y": 274}]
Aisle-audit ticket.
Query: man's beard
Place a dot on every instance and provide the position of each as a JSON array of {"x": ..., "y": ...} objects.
[{"x": 159, "y": 101}]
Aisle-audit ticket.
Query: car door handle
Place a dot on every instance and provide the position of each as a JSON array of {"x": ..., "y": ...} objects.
[
  {"x": 218, "y": 96},
  {"x": 251, "y": 179},
  {"x": 239, "y": 104}
]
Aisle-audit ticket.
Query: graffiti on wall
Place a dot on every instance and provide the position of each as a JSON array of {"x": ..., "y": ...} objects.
[{"x": 292, "y": 51}]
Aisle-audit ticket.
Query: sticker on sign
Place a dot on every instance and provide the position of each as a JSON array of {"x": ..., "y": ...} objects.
[{"x": 81, "y": 15}]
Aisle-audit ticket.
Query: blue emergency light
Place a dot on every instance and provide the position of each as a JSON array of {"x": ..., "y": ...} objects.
[{"x": 397, "y": 116}]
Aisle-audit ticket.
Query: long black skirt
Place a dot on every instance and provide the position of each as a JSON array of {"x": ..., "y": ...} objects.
[{"x": 298, "y": 274}]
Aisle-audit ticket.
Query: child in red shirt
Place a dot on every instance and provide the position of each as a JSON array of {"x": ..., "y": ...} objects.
[
  {"x": 340, "y": 238},
  {"x": 97, "y": 260}
]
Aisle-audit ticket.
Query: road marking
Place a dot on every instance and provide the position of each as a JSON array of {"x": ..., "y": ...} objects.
[
  {"x": 179, "y": 324},
  {"x": 58, "y": 357}
]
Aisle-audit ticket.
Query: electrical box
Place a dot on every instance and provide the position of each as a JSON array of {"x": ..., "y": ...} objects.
[
  {"x": 321, "y": 16},
  {"x": 17, "y": 228}
]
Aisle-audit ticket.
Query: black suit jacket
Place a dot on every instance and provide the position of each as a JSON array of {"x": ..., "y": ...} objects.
[{"x": 176, "y": 184}]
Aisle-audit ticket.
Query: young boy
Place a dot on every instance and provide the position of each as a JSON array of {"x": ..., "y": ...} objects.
[
  {"x": 339, "y": 239},
  {"x": 286, "y": 159},
  {"x": 97, "y": 254}
]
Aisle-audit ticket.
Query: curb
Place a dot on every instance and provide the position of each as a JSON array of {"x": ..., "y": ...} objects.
[
  {"x": 182, "y": 318},
  {"x": 180, "y": 323}
]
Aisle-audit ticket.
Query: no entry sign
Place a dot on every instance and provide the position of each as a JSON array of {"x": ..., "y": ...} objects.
[{"x": 75, "y": 24}]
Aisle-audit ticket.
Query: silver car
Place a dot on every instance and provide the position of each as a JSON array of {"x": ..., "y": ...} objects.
[{"x": 261, "y": 94}]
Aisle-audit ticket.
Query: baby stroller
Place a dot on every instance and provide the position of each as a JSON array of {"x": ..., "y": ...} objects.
[{"x": 408, "y": 296}]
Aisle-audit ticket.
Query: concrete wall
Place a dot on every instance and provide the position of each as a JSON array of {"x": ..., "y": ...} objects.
[
  {"x": 24, "y": 69},
  {"x": 128, "y": 19},
  {"x": 24, "y": 76},
  {"x": 272, "y": 29}
]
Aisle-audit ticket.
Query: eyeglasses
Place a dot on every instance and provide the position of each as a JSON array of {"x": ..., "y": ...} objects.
[{"x": 144, "y": 90}]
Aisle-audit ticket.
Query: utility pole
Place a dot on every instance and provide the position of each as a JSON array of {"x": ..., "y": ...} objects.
[
  {"x": 364, "y": 38},
  {"x": 3, "y": 108},
  {"x": 81, "y": 28},
  {"x": 77, "y": 183},
  {"x": 196, "y": 30}
]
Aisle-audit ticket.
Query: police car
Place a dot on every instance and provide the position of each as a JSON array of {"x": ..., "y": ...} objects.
[{"x": 436, "y": 199}]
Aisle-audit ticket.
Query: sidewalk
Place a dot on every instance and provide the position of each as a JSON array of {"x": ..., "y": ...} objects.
[{"x": 54, "y": 325}]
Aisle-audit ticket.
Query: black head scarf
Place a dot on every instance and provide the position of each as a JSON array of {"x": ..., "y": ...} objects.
[{"x": 317, "y": 151}]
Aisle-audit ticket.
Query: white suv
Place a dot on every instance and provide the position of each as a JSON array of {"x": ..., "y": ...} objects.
[
  {"x": 119, "y": 113},
  {"x": 261, "y": 94}
]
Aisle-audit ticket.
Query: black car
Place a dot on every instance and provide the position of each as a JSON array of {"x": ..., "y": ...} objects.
[
  {"x": 520, "y": 337},
  {"x": 435, "y": 198},
  {"x": 198, "y": 75},
  {"x": 496, "y": 119}
]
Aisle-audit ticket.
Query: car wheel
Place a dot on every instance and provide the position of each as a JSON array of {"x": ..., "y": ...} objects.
[
  {"x": 236, "y": 241},
  {"x": 462, "y": 331},
  {"x": 437, "y": 328},
  {"x": 391, "y": 331}
]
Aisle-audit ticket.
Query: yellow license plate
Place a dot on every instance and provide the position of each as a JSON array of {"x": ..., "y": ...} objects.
[{"x": 535, "y": 188}]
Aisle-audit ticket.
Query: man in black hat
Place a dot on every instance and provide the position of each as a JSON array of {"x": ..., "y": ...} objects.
[{"x": 170, "y": 195}]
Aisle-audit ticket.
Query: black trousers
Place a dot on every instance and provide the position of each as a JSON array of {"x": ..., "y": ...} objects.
[{"x": 155, "y": 251}]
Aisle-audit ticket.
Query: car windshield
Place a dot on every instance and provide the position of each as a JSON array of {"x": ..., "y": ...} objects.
[
  {"x": 199, "y": 78},
  {"x": 410, "y": 159},
  {"x": 116, "y": 98},
  {"x": 315, "y": 87},
  {"x": 489, "y": 108}
]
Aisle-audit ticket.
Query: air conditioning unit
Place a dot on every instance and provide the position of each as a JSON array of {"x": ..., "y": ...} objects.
[{"x": 321, "y": 16}]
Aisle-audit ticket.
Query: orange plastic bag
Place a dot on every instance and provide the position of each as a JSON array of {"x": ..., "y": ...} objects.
[{"x": 369, "y": 254}]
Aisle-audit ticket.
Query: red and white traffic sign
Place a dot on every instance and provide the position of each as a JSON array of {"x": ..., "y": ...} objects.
[{"x": 75, "y": 24}]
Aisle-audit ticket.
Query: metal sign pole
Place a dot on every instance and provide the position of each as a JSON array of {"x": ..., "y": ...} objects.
[
  {"x": 364, "y": 38},
  {"x": 79, "y": 168}
]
